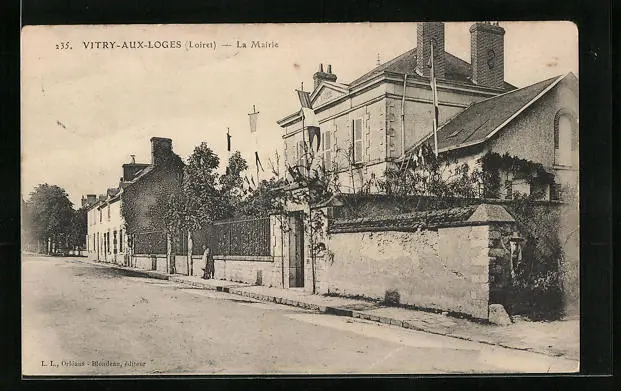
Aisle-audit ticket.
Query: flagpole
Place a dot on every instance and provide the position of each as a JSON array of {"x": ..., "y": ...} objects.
[
  {"x": 434, "y": 91},
  {"x": 228, "y": 145},
  {"x": 256, "y": 146},
  {"x": 306, "y": 167}
]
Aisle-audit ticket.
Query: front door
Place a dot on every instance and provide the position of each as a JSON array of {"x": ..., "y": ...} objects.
[{"x": 296, "y": 255}]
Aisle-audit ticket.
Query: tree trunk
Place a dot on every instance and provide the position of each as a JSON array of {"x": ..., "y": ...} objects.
[{"x": 190, "y": 260}]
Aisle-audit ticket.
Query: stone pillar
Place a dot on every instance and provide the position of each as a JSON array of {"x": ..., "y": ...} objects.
[
  {"x": 170, "y": 258},
  {"x": 277, "y": 245},
  {"x": 499, "y": 224}
]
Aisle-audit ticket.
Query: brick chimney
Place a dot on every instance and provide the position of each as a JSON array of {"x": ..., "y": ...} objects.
[
  {"x": 321, "y": 75},
  {"x": 426, "y": 33},
  {"x": 487, "y": 54},
  {"x": 130, "y": 170},
  {"x": 161, "y": 148},
  {"x": 89, "y": 200}
]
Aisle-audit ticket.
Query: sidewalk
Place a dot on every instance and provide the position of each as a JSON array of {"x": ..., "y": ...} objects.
[{"x": 559, "y": 338}]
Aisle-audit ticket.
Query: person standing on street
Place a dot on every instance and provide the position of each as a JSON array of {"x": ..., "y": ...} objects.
[{"x": 209, "y": 263}]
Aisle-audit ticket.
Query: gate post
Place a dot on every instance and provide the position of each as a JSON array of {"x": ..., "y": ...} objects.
[{"x": 169, "y": 254}]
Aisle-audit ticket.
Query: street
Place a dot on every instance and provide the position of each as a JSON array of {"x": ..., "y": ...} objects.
[{"x": 85, "y": 319}]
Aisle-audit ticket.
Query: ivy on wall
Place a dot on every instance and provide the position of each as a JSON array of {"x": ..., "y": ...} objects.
[
  {"x": 492, "y": 164},
  {"x": 162, "y": 182}
]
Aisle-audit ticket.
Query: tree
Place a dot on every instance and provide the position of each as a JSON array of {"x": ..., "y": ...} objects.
[
  {"x": 50, "y": 216},
  {"x": 198, "y": 202},
  {"x": 78, "y": 230},
  {"x": 232, "y": 185},
  {"x": 265, "y": 199}
]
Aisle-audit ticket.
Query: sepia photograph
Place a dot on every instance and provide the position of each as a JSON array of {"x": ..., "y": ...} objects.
[{"x": 300, "y": 199}]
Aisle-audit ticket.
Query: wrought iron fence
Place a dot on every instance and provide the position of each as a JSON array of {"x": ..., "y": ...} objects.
[
  {"x": 153, "y": 242},
  {"x": 180, "y": 240},
  {"x": 238, "y": 237}
]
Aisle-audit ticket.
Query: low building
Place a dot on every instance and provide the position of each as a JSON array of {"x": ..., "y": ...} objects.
[
  {"x": 537, "y": 123},
  {"x": 106, "y": 238},
  {"x": 126, "y": 221}
]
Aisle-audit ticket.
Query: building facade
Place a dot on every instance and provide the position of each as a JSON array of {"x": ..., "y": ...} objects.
[
  {"x": 107, "y": 233},
  {"x": 113, "y": 238},
  {"x": 380, "y": 118},
  {"x": 375, "y": 119}
]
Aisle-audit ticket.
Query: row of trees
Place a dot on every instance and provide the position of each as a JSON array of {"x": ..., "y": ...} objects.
[{"x": 50, "y": 223}]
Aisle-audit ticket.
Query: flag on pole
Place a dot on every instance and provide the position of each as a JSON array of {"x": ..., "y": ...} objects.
[
  {"x": 304, "y": 99},
  {"x": 257, "y": 161},
  {"x": 311, "y": 123},
  {"x": 253, "y": 121},
  {"x": 434, "y": 91}
]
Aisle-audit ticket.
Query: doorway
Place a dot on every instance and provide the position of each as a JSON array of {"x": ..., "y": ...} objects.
[{"x": 296, "y": 251}]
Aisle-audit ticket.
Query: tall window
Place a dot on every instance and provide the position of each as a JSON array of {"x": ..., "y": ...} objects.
[
  {"x": 114, "y": 241},
  {"x": 301, "y": 156},
  {"x": 100, "y": 215},
  {"x": 121, "y": 241},
  {"x": 358, "y": 144},
  {"x": 108, "y": 212},
  {"x": 564, "y": 138},
  {"x": 326, "y": 141}
]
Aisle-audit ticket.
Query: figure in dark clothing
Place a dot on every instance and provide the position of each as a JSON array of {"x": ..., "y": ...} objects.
[{"x": 209, "y": 263}]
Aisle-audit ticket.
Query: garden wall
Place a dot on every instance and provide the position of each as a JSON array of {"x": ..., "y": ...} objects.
[
  {"x": 546, "y": 225},
  {"x": 438, "y": 260}
]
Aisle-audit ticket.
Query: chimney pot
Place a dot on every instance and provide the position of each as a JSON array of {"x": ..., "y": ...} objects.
[
  {"x": 321, "y": 75},
  {"x": 133, "y": 159}
]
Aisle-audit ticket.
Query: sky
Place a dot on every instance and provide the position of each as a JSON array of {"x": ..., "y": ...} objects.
[{"x": 85, "y": 111}]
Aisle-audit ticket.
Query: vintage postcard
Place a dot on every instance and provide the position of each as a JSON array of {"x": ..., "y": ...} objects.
[{"x": 260, "y": 199}]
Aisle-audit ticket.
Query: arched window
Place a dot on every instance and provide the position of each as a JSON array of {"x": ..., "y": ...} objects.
[{"x": 565, "y": 138}]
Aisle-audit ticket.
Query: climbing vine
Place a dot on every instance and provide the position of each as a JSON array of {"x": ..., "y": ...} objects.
[{"x": 492, "y": 164}]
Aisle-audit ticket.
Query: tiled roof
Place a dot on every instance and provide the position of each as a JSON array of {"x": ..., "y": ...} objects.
[
  {"x": 481, "y": 119},
  {"x": 456, "y": 69},
  {"x": 405, "y": 222}
]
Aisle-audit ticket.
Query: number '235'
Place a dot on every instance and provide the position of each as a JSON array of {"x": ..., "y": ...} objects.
[{"x": 63, "y": 46}]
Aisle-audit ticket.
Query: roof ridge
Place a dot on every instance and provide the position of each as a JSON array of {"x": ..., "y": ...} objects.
[{"x": 382, "y": 66}]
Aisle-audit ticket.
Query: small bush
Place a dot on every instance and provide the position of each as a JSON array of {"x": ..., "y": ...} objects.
[{"x": 392, "y": 297}]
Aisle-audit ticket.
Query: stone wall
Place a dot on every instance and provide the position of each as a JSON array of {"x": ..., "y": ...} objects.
[
  {"x": 452, "y": 276},
  {"x": 249, "y": 271},
  {"x": 141, "y": 262}
]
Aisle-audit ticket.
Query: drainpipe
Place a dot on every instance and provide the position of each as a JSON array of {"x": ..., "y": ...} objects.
[
  {"x": 282, "y": 250},
  {"x": 405, "y": 80}
]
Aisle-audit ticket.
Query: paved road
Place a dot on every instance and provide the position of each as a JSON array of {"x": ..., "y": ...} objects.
[{"x": 83, "y": 319}]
